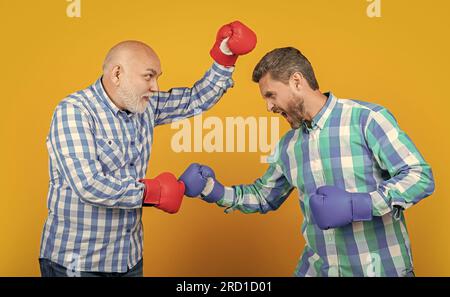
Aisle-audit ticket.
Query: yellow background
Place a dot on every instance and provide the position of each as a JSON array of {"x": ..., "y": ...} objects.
[{"x": 400, "y": 60}]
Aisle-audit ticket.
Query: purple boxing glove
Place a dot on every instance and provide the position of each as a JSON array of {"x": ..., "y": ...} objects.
[
  {"x": 333, "y": 207},
  {"x": 200, "y": 180}
]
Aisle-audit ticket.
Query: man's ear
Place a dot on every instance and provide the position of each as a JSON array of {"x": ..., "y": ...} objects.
[
  {"x": 296, "y": 81},
  {"x": 116, "y": 73}
]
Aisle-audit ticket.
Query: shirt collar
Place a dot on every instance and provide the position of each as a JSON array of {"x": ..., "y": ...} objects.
[
  {"x": 99, "y": 90},
  {"x": 320, "y": 118}
]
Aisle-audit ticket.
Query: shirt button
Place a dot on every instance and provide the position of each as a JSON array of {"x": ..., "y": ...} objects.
[
  {"x": 128, "y": 230},
  {"x": 131, "y": 164},
  {"x": 132, "y": 143},
  {"x": 127, "y": 120}
]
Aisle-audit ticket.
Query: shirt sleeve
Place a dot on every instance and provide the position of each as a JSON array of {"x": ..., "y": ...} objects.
[
  {"x": 410, "y": 177},
  {"x": 265, "y": 194},
  {"x": 181, "y": 103},
  {"x": 72, "y": 143}
]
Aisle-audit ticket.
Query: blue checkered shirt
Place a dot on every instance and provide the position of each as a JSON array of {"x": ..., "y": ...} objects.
[{"x": 97, "y": 154}]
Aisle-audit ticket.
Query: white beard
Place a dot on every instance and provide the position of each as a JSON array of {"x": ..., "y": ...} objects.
[{"x": 132, "y": 101}]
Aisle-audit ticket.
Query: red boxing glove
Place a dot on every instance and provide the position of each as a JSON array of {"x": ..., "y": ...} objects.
[
  {"x": 232, "y": 40},
  {"x": 164, "y": 192}
]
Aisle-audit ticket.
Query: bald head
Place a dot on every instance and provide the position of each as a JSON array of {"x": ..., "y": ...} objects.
[
  {"x": 130, "y": 73},
  {"x": 128, "y": 53}
]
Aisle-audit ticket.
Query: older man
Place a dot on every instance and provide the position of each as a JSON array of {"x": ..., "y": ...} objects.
[
  {"x": 354, "y": 168},
  {"x": 99, "y": 145}
]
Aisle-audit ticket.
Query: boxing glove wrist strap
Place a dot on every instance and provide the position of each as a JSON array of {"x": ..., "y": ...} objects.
[
  {"x": 152, "y": 191},
  {"x": 361, "y": 207},
  {"x": 213, "y": 191}
]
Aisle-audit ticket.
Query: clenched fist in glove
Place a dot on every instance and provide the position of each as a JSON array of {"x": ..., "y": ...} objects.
[
  {"x": 164, "y": 192},
  {"x": 333, "y": 207},
  {"x": 201, "y": 180},
  {"x": 232, "y": 40}
]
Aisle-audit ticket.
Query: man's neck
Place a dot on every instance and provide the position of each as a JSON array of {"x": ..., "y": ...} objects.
[
  {"x": 314, "y": 103},
  {"x": 111, "y": 93}
]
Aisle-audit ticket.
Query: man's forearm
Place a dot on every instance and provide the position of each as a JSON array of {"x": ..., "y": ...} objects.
[
  {"x": 405, "y": 189},
  {"x": 109, "y": 192},
  {"x": 252, "y": 199},
  {"x": 181, "y": 103}
]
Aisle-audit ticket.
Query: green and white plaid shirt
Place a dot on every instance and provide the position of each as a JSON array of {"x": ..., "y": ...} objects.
[{"x": 359, "y": 147}]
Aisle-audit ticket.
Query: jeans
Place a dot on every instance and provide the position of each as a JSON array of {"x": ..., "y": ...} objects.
[{"x": 52, "y": 269}]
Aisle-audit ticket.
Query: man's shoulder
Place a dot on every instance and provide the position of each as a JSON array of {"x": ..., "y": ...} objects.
[
  {"x": 367, "y": 111},
  {"x": 361, "y": 105},
  {"x": 79, "y": 101}
]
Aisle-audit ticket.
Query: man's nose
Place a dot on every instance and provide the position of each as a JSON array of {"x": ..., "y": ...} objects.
[
  {"x": 270, "y": 106},
  {"x": 154, "y": 86}
]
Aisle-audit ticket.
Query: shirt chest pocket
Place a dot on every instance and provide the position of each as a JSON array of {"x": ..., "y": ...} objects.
[{"x": 110, "y": 154}]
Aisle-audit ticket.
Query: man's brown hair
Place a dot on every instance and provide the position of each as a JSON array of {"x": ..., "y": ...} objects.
[{"x": 281, "y": 63}]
